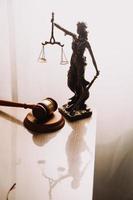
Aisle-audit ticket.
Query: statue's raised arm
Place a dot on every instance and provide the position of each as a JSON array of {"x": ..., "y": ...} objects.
[{"x": 66, "y": 31}]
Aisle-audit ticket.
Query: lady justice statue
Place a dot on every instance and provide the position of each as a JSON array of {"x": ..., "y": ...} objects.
[{"x": 76, "y": 107}]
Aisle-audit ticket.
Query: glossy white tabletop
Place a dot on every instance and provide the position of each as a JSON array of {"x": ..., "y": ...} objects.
[{"x": 54, "y": 166}]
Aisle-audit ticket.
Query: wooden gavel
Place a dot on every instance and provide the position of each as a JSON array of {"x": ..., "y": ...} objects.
[{"x": 41, "y": 111}]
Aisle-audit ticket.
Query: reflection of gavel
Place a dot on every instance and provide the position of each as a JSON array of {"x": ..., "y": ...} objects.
[{"x": 40, "y": 111}]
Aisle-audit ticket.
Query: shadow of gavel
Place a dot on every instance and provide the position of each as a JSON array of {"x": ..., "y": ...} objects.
[{"x": 41, "y": 111}]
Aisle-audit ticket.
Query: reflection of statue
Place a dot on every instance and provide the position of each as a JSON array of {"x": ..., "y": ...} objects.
[
  {"x": 76, "y": 81},
  {"x": 75, "y": 148}
]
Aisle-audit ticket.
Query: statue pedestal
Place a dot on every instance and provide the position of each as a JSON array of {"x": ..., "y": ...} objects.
[{"x": 75, "y": 115}]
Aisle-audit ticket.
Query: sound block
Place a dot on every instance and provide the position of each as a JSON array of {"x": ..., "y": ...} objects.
[{"x": 53, "y": 123}]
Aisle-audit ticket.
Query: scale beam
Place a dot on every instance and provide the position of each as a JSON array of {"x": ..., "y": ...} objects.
[{"x": 52, "y": 39}]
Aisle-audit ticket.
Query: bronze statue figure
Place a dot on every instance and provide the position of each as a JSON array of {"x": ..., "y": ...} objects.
[{"x": 76, "y": 107}]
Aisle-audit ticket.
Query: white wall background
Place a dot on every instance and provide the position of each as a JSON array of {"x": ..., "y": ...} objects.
[
  {"x": 110, "y": 34},
  {"x": 5, "y": 69}
]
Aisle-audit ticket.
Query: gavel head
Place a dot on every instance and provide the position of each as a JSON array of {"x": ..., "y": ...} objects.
[{"x": 44, "y": 109}]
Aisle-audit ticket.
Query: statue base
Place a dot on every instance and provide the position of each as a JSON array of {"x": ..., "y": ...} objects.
[
  {"x": 76, "y": 114},
  {"x": 53, "y": 123}
]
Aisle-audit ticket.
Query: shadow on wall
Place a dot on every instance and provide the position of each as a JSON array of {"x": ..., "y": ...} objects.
[{"x": 113, "y": 179}]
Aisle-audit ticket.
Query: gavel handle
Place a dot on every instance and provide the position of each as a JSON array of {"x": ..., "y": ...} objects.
[{"x": 14, "y": 104}]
